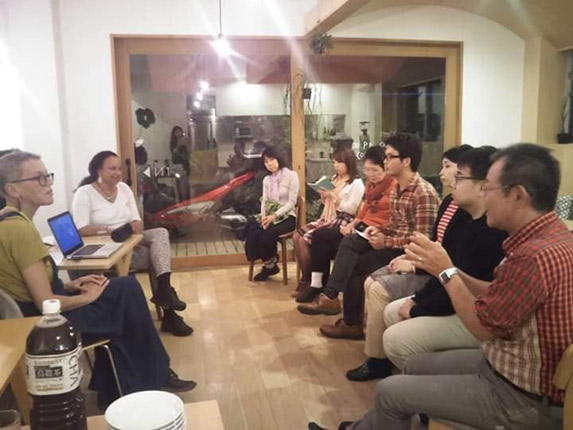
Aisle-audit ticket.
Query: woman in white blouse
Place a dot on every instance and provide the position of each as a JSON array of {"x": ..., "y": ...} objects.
[
  {"x": 340, "y": 206},
  {"x": 103, "y": 203}
]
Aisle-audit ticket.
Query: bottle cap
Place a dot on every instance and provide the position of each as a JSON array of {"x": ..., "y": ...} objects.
[{"x": 51, "y": 306}]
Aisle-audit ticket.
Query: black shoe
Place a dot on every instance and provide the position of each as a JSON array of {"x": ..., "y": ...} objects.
[
  {"x": 307, "y": 294},
  {"x": 343, "y": 425},
  {"x": 373, "y": 368},
  {"x": 174, "y": 324},
  {"x": 176, "y": 385},
  {"x": 168, "y": 299},
  {"x": 264, "y": 274}
]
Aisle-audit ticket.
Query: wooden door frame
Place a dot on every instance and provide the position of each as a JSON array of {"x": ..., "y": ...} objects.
[{"x": 122, "y": 46}]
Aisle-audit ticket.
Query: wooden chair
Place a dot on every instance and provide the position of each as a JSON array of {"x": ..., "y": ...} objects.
[
  {"x": 562, "y": 379},
  {"x": 283, "y": 241},
  {"x": 9, "y": 309}
]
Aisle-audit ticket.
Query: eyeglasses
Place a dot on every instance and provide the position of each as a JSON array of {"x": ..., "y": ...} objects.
[
  {"x": 43, "y": 180},
  {"x": 459, "y": 178},
  {"x": 390, "y": 157},
  {"x": 488, "y": 188}
]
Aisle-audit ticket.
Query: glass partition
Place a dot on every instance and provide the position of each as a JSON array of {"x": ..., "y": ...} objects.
[
  {"x": 356, "y": 101},
  {"x": 200, "y": 123}
]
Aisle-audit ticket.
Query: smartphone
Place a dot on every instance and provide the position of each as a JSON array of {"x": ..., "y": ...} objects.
[{"x": 360, "y": 229}]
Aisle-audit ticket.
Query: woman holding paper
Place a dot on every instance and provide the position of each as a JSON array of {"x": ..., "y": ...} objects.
[
  {"x": 278, "y": 214},
  {"x": 375, "y": 210},
  {"x": 340, "y": 206}
]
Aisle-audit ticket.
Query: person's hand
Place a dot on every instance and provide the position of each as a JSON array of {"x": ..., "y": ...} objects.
[
  {"x": 268, "y": 220},
  {"x": 427, "y": 255},
  {"x": 323, "y": 194},
  {"x": 77, "y": 284},
  {"x": 404, "y": 311},
  {"x": 137, "y": 227},
  {"x": 92, "y": 291},
  {"x": 376, "y": 240},
  {"x": 401, "y": 265},
  {"x": 347, "y": 229},
  {"x": 371, "y": 231}
]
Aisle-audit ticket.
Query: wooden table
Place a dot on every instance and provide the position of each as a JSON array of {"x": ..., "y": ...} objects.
[
  {"x": 120, "y": 259},
  {"x": 13, "y": 334},
  {"x": 200, "y": 416}
]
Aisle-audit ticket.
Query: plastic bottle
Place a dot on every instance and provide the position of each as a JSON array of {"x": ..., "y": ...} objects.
[{"x": 53, "y": 350}]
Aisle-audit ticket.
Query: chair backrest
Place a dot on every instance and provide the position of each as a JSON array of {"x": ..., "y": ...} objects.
[
  {"x": 8, "y": 307},
  {"x": 563, "y": 379},
  {"x": 564, "y": 207},
  {"x": 299, "y": 211}
]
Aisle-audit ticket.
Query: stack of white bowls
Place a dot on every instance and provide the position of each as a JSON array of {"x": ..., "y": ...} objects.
[{"x": 146, "y": 410}]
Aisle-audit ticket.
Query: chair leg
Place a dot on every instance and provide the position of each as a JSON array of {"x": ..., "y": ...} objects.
[
  {"x": 114, "y": 370},
  {"x": 154, "y": 287},
  {"x": 251, "y": 268},
  {"x": 284, "y": 258},
  {"x": 89, "y": 360}
]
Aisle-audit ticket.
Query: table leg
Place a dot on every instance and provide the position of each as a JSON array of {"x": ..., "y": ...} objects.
[
  {"x": 20, "y": 390},
  {"x": 122, "y": 266}
]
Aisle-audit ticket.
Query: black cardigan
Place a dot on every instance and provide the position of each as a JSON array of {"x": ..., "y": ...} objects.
[{"x": 473, "y": 247}]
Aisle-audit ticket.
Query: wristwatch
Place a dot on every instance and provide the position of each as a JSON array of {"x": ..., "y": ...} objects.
[{"x": 447, "y": 274}]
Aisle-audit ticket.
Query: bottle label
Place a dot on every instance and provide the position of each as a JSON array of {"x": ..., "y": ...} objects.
[{"x": 53, "y": 374}]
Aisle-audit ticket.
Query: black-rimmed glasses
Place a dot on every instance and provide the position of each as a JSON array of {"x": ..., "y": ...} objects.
[
  {"x": 43, "y": 180},
  {"x": 390, "y": 157},
  {"x": 459, "y": 178}
]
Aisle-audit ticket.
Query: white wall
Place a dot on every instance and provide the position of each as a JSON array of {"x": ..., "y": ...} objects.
[
  {"x": 62, "y": 57},
  {"x": 493, "y": 59},
  {"x": 10, "y": 115},
  {"x": 30, "y": 35}
]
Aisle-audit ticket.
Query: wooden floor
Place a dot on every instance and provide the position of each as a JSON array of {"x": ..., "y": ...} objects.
[
  {"x": 207, "y": 238},
  {"x": 265, "y": 363}
]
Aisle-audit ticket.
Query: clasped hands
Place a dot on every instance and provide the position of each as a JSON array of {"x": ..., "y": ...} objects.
[
  {"x": 268, "y": 220},
  {"x": 90, "y": 285}
]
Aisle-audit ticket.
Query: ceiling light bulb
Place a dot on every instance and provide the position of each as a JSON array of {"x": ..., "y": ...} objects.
[
  {"x": 204, "y": 85},
  {"x": 196, "y": 104},
  {"x": 199, "y": 96},
  {"x": 222, "y": 46}
]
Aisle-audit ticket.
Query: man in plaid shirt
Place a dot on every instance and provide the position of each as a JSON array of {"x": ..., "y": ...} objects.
[
  {"x": 524, "y": 317},
  {"x": 414, "y": 207}
]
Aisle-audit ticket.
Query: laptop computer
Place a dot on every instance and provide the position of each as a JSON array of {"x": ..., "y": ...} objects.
[{"x": 71, "y": 243}]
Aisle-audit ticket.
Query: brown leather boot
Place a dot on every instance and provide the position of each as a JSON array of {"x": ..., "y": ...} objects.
[
  {"x": 340, "y": 330},
  {"x": 321, "y": 305},
  {"x": 302, "y": 285}
]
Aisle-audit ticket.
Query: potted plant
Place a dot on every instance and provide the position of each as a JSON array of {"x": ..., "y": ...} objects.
[{"x": 564, "y": 136}]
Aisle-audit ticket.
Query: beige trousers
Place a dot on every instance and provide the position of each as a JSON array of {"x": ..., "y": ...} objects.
[
  {"x": 406, "y": 338},
  {"x": 381, "y": 290}
]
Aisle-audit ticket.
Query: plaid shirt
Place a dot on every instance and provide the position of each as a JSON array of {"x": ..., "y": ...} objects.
[
  {"x": 529, "y": 305},
  {"x": 412, "y": 209}
]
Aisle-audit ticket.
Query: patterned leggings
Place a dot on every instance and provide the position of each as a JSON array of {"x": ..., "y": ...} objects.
[{"x": 153, "y": 252}]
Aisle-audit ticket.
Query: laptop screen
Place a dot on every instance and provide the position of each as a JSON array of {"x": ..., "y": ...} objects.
[{"x": 66, "y": 233}]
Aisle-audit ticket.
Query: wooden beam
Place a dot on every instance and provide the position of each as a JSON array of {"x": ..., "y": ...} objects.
[{"x": 329, "y": 13}]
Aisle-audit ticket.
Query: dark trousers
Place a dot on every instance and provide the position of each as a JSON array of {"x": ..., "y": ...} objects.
[
  {"x": 323, "y": 248},
  {"x": 354, "y": 261},
  {"x": 261, "y": 243},
  {"x": 121, "y": 315},
  {"x": 368, "y": 263}
]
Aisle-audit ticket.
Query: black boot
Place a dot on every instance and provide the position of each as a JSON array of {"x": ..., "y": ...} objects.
[
  {"x": 264, "y": 274},
  {"x": 308, "y": 294},
  {"x": 174, "y": 324},
  {"x": 166, "y": 296},
  {"x": 176, "y": 385}
]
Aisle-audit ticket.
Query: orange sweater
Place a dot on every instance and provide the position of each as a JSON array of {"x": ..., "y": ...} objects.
[{"x": 380, "y": 216}]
